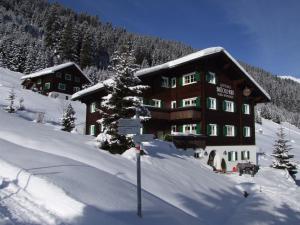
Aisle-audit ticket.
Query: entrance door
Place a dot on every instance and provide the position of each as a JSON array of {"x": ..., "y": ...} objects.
[
  {"x": 223, "y": 165},
  {"x": 211, "y": 158}
]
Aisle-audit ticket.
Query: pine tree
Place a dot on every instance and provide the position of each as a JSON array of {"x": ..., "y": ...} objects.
[
  {"x": 68, "y": 120},
  {"x": 281, "y": 154},
  {"x": 86, "y": 50},
  {"x": 11, "y": 98},
  {"x": 67, "y": 43},
  {"x": 122, "y": 99}
]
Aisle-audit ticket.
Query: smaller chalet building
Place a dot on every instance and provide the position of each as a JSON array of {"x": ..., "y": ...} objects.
[
  {"x": 60, "y": 81},
  {"x": 204, "y": 100}
]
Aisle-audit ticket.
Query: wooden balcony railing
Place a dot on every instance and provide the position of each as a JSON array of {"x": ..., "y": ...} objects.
[{"x": 175, "y": 114}]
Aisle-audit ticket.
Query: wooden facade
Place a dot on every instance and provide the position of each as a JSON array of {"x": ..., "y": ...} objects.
[
  {"x": 166, "y": 99},
  {"x": 62, "y": 79}
]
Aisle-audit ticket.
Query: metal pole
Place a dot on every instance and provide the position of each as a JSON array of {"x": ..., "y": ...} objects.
[{"x": 138, "y": 181}]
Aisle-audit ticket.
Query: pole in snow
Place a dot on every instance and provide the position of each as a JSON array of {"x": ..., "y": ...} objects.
[{"x": 138, "y": 180}]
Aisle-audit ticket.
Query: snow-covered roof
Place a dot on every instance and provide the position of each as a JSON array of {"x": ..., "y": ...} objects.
[
  {"x": 195, "y": 56},
  {"x": 53, "y": 69},
  {"x": 91, "y": 89}
]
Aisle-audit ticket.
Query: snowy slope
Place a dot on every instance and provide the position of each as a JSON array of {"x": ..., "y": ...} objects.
[
  {"x": 291, "y": 78},
  {"x": 40, "y": 163}
]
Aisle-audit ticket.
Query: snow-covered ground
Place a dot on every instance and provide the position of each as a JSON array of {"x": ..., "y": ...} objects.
[{"x": 48, "y": 176}]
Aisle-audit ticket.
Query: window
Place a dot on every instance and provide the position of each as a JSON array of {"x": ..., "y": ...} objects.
[
  {"x": 189, "y": 79},
  {"x": 173, "y": 129},
  {"x": 229, "y": 131},
  {"x": 61, "y": 86},
  {"x": 39, "y": 81},
  {"x": 245, "y": 155},
  {"x": 92, "y": 130},
  {"x": 77, "y": 79},
  {"x": 68, "y": 77},
  {"x": 232, "y": 156},
  {"x": 93, "y": 107},
  {"x": 173, "y": 82},
  {"x": 189, "y": 102},
  {"x": 58, "y": 75},
  {"x": 165, "y": 82},
  {"x": 246, "y": 132},
  {"x": 228, "y": 106},
  {"x": 211, "y": 78},
  {"x": 75, "y": 89},
  {"x": 156, "y": 103},
  {"x": 47, "y": 86},
  {"x": 212, "y": 129},
  {"x": 190, "y": 128},
  {"x": 173, "y": 104},
  {"x": 246, "y": 109},
  {"x": 212, "y": 103}
]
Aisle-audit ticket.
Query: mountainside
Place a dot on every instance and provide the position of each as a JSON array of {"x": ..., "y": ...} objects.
[
  {"x": 291, "y": 78},
  {"x": 37, "y": 34},
  {"x": 51, "y": 177}
]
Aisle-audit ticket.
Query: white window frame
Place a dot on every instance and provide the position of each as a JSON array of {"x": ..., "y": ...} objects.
[
  {"x": 68, "y": 75},
  {"x": 229, "y": 106},
  {"x": 173, "y": 105},
  {"x": 173, "y": 82},
  {"x": 93, "y": 107},
  {"x": 173, "y": 129},
  {"x": 213, "y": 129},
  {"x": 189, "y": 78},
  {"x": 246, "y": 109},
  {"x": 245, "y": 155},
  {"x": 188, "y": 102},
  {"x": 76, "y": 89},
  {"x": 192, "y": 128},
  {"x": 247, "y": 131},
  {"x": 157, "y": 103},
  {"x": 92, "y": 130},
  {"x": 233, "y": 154},
  {"x": 60, "y": 86},
  {"x": 165, "y": 82},
  {"x": 47, "y": 84},
  {"x": 213, "y": 103},
  {"x": 230, "y": 130},
  {"x": 212, "y": 81}
]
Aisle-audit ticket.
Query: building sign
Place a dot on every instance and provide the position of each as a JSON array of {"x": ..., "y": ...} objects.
[{"x": 225, "y": 90}]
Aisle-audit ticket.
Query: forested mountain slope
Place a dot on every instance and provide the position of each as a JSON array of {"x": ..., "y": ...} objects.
[{"x": 37, "y": 34}]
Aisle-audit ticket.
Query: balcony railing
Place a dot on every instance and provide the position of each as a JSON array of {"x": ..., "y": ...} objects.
[{"x": 182, "y": 113}]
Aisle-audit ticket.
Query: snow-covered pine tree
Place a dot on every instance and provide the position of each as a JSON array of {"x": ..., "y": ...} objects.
[
  {"x": 122, "y": 100},
  {"x": 281, "y": 154},
  {"x": 68, "y": 119},
  {"x": 11, "y": 98}
]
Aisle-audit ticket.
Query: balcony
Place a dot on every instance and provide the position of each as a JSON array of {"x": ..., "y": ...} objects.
[{"x": 183, "y": 113}]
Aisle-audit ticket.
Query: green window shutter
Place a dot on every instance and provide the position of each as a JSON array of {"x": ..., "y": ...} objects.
[
  {"x": 244, "y": 131},
  {"x": 229, "y": 156},
  {"x": 180, "y": 128},
  {"x": 235, "y": 130},
  {"x": 198, "y": 128},
  {"x": 236, "y": 156},
  {"x": 207, "y": 77},
  {"x": 248, "y": 154},
  {"x": 208, "y": 130},
  {"x": 243, "y": 109},
  {"x": 197, "y": 76},
  {"x": 234, "y": 107},
  {"x": 217, "y": 104},
  {"x": 181, "y": 103},
  {"x": 161, "y": 104},
  {"x": 216, "y": 78},
  {"x": 198, "y": 103},
  {"x": 207, "y": 103},
  {"x": 180, "y": 81},
  {"x": 243, "y": 155},
  {"x": 218, "y": 130},
  {"x": 224, "y": 106},
  {"x": 224, "y": 131}
]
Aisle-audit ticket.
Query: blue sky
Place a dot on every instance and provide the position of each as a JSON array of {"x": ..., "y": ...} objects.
[{"x": 264, "y": 33}]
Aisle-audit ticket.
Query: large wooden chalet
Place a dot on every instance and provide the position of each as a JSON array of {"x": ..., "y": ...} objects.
[
  {"x": 60, "y": 81},
  {"x": 205, "y": 100}
]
